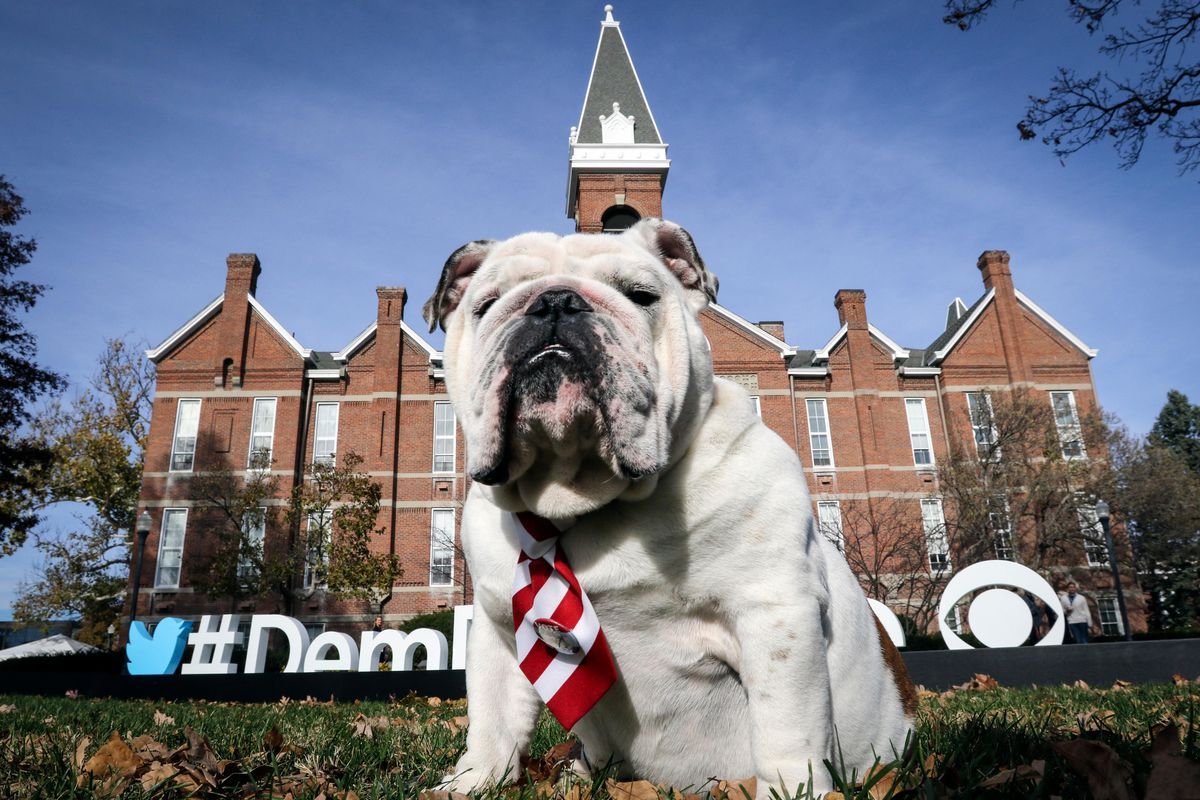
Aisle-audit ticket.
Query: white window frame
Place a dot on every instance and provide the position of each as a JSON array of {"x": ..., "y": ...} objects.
[
  {"x": 443, "y": 438},
  {"x": 1071, "y": 432},
  {"x": 1095, "y": 549},
  {"x": 440, "y": 542},
  {"x": 756, "y": 404},
  {"x": 978, "y": 427},
  {"x": 829, "y": 522},
  {"x": 178, "y": 435},
  {"x": 250, "y": 460},
  {"x": 936, "y": 543},
  {"x": 1106, "y": 604},
  {"x": 162, "y": 530},
  {"x": 809, "y": 404},
  {"x": 999, "y": 515},
  {"x": 326, "y": 454},
  {"x": 256, "y": 534},
  {"x": 309, "y": 579},
  {"x": 911, "y": 403}
]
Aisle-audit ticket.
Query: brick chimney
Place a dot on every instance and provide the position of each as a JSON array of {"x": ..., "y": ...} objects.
[
  {"x": 388, "y": 337},
  {"x": 773, "y": 327},
  {"x": 851, "y": 305},
  {"x": 997, "y": 277},
  {"x": 241, "y": 282},
  {"x": 994, "y": 266}
]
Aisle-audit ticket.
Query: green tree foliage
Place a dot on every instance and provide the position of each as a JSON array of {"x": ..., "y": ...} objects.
[
  {"x": 1155, "y": 88},
  {"x": 96, "y": 442},
  {"x": 234, "y": 511},
  {"x": 337, "y": 507},
  {"x": 22, "y": 381},
  {"x": 1178, "y": 429},
  {"x": 1157, "y": 494}
]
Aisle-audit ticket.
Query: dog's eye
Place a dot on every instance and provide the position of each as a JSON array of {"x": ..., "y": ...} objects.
[
  {"x": 483, "y": 307},
  {"x": 642, "y": 297}
]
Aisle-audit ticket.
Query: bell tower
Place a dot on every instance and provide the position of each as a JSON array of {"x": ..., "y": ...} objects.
[{"x": 619, "y": 161}]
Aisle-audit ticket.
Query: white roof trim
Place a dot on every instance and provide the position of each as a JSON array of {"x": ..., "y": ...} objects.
[
  {"x": 809, "y": 372},
  {"x": 917, "y": 372},
  {"x": 898, "y": 352},
  {"x": 783, "y": 347},
  {"x": 282, "y": 331},
  {"x": 360, "y": 340},
  {"x": 1090, "y": 352},
  {"x": 324, "y": 374},
  {"x": 355, "y": 343},
  {"x": 938, "y": 355},
  {"x": 187, "y": 329},
  {"x": 823, "y": 353}
]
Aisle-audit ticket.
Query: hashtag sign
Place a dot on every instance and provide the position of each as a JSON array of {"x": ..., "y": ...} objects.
[{"x": 212, "y": 646}]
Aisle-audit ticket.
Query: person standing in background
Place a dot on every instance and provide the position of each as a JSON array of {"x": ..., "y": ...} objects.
[{"x": 1079, "y": 616}]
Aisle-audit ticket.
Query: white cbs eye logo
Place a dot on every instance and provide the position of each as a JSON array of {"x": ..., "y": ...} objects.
[{"x": 999, "y": 617}]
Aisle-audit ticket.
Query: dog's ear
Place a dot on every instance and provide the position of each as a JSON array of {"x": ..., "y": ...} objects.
[
  {"x": 460, "y": 266},
  {"x": 675, "y": 248}
]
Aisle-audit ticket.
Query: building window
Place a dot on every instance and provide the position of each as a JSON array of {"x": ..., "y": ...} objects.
[
  {"x": 262, "y": 434},
  {"x": 983, "y": 424},
  {"x": 170, "y": 548},
  {"x": 818, "y": 433},
  {"x": 1093, "y": 536},
  {"x": 443, "y": 437},
  {"x": 918, "y": 431},
  {"x": 829, "y": 521},
  {"x": 618, "y": 218},
  {"x": 254, "y": 524},
  {"x": 756, "y": 405},
  {"x": 934, "y": 523},
  {"x": 1066, "y": 419},
  {"x": 1000, "y": 525},
  {"x": 325, "y": 434},
  {"x": 316, "y": 557},
  {"x": 1110, "y": 615},
  {"x": 183, "y": 447},
  {"x": 441, "y": 547}
]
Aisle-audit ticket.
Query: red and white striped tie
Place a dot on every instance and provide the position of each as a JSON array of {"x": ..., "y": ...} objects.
[{"x": 560, "y": 646}]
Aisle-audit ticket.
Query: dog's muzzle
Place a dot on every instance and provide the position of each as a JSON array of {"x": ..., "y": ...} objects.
[{"x": 555, "y": 344}]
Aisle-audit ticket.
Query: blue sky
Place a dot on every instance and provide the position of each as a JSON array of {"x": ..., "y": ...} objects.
[{"x": 815, "y": 146}]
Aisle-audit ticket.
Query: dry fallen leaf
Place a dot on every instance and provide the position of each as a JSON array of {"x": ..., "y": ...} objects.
[
  {"x": 81, "y": 752},
  {"x": 735, "y": 790},
  {"x": 980, "y": 681},
  {"x": 1081, "y": 684},
  {"x": 162, "y": 719},
  {"x": 1180, "y": 680},
  {"x": 1098, "y": 719},
  {"x": 435, "y": 701},
  {"x": 1106, "y": 773},
  {"x": 455, "y": 724},
  {"x": 442, "y": 796},
  {"x": 1172, "y": 776},
  {"x": 1024, "y": 772},
  {"x": 109, "y": 770},
  {"x": 72, "y": 694},
  {"x": 7, "y": 708},
  {"x": 632, "y": 790},
  {"x": 1120, "y": 685},
  {"x": 273, "y": 740}
]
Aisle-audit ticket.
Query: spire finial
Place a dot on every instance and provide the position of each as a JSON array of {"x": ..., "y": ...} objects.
[{"x": 608, "y": 17}]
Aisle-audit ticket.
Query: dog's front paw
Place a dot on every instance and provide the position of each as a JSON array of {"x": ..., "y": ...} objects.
[{"x": 471, "y": 774}]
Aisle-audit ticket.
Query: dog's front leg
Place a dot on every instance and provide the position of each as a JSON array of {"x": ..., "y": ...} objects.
[
  {"x": 502, "y": 706},
  {"x": 785, "y": 673}
]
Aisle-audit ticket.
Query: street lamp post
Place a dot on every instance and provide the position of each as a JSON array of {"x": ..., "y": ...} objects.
[
  {"x": 143, "y": 530},
  {"x": 1102, "y": 513}
]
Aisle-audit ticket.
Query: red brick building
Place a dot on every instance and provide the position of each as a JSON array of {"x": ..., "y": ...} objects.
[{"x": 869, "y": 419}]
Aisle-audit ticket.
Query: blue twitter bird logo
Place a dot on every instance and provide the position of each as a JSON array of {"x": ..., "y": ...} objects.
[{"x": 161, "y": 653}]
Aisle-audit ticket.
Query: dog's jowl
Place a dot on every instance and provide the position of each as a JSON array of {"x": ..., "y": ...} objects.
[{"x": 642, "y": 546}]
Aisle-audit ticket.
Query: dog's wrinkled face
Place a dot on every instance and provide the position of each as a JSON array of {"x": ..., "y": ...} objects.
[{"x": 576, "y": 364}]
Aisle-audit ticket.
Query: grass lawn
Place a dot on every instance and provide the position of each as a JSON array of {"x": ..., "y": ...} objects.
[{"x": 1122, "y": 742}]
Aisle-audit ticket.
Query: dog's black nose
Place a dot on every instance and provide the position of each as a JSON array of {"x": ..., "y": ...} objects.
[{"x": 556, "y": 303}]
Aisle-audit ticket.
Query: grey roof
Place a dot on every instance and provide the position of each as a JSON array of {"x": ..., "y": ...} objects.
[
  {"x": 951, "y": 329},
  {"x": 802, "y": 358},
  {"x": 614, "y": 80},
  {"x": 323, "y": 359}
]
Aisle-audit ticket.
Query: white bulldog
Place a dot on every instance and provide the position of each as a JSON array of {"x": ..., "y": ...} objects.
[{"x": 744, "y": 645}]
